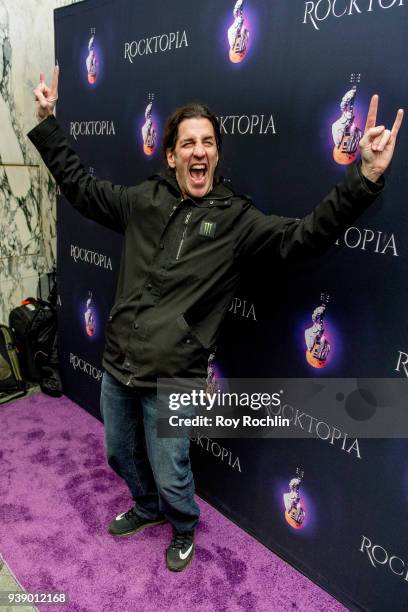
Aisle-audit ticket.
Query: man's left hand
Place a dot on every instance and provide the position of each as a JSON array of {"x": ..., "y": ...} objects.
[{"x": 377, "y": 144}]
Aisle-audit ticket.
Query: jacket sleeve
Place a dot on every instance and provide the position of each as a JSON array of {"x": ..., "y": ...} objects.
[
  {"x": 297, "y": 239},
  {"x": 96, "y": 199}
]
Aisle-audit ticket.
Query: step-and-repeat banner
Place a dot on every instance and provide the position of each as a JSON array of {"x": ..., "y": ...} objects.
[{"x": 290, "y": 83}]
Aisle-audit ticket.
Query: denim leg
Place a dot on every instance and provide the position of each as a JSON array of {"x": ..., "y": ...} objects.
[
  {"x": 125, "y": 444},
  {"x": 170, "y": 461}
]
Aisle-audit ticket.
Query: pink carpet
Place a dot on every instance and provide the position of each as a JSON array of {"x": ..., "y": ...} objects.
[{"x": 57, "y": 495}]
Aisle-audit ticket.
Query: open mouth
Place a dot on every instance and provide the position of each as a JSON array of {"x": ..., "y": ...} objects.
[{"x": 198, "y": 173}]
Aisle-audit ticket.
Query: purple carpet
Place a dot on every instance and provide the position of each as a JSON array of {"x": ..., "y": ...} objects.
[{"x": 57, "y": 495}]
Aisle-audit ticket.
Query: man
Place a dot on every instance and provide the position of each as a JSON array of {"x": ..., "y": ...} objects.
[{"x": 185, "y": 236}]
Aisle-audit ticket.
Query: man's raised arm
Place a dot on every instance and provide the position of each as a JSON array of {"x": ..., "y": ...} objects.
[
  {"x": 311, "y": 236},
  {"x": 98, "y": 200}
]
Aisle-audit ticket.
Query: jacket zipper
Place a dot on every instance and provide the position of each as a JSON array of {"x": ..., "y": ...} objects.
[{"x": 186, "y": 220}]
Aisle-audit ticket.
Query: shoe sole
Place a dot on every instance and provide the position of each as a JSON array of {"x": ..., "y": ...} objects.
[
  {"x": 181, "y": 569},
  {"x": 133, "y": 531}
]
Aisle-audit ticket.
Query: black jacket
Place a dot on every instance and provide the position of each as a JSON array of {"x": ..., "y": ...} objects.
[{"x": 181, "y": 259}]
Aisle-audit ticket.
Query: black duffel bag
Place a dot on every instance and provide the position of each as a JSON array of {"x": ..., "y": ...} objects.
[{"x": 34, "y": 326}]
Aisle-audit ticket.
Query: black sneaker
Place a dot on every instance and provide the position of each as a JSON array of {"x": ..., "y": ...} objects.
[
  {"x": 181, "y": 551},
  {"x": 129, "y": 522}
]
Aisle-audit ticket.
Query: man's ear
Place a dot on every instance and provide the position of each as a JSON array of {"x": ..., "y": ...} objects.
[
  {"x": 170, "y": 158},
  {"x": 217, "y": 163}
]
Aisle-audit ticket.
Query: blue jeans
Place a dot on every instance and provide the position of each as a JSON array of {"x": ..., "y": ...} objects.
[{"x": 156, "y": 470}]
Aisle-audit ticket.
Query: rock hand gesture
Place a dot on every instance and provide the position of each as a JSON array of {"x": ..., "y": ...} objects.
[
  {"x": 45, "y": 96},
  {"x": 378, "y": 144}
]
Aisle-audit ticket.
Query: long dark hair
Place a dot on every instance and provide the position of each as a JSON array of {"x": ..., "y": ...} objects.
[{"x": 188, "y": 111}]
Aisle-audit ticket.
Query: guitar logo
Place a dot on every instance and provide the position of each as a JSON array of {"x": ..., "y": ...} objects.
[
  {"x": 89, "y": 316},
  {"x": 346, "y": 134},
  {"x": 294, "y": 511},
  {"x": 238, "y": 35},
  {"x": 212, "y": 383},
  {"x": 149, "y": 133},
  {"x": 318, "y": 347},
  {"x": 91, "y": 60}
]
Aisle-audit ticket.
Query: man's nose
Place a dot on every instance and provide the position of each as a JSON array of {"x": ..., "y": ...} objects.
[{"x": 199, "y": 150}]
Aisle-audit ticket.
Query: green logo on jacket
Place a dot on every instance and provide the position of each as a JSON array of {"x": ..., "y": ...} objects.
[{"x": 207, "y": 229}]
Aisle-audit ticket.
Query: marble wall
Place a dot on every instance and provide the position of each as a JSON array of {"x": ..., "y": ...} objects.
[{"x": 27, "y": 191}]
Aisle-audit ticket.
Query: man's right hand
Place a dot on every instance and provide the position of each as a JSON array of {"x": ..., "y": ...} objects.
[{"x": 45, "y": 96}]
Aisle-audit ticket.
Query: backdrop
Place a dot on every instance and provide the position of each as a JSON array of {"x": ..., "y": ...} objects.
[{"x": 290, "y": 83}]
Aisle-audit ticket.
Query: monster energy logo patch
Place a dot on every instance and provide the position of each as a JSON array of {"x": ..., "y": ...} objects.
[{"x": 207, "y": 229}]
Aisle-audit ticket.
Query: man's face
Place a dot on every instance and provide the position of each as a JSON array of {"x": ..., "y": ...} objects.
[{"x": 195, "y": 156}]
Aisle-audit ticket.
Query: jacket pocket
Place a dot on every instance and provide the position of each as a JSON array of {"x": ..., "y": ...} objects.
[
  {"x": 189, "y": 337},
  {"x": 112, "y": 330},
  {"x": 114, "y": 311}
]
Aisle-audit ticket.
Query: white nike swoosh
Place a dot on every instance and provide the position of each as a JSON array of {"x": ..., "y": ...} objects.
[
  {"x": 185, "y": 555},
  {"x": 119, "y": 516}
]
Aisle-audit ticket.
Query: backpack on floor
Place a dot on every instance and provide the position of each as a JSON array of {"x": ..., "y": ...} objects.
[
  {"x": 34, "y": 326},
  {"x": 12, "y": 384}
]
